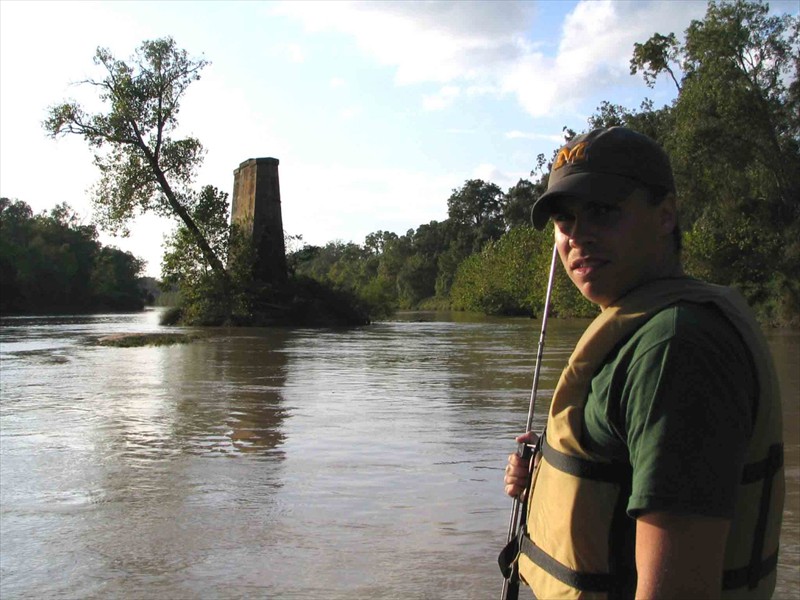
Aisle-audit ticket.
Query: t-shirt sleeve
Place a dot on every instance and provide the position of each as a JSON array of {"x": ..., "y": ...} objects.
[{"x": 688, "y": 417}]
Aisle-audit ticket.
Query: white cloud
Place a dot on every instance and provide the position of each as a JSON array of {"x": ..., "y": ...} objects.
[
  {"x": 350, "y": 112},
  {"x": 337, "y": 82},
  {"x": 441, "y": 99},
  {"x": 296, "y": 53},
  {"x": 593, "y": 54},
  {"x": 488, "y": 48},
  {"x": 425, "y": 42}
]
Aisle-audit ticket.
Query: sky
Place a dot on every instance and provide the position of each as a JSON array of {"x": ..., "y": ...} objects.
[{"x": 376, "y": 111}]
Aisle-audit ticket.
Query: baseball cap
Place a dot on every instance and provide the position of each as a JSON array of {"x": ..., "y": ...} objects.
[{"x": 609, "y": 162}]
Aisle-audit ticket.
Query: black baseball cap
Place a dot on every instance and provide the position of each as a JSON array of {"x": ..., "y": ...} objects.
[{"x": 610, "y": 163}]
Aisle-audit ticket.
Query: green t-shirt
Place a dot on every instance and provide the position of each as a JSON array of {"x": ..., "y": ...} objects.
[{"x": 676, "y": 400}]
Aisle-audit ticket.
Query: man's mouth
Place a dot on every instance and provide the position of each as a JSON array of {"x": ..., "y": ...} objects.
[{"x": 586, "y": 265}]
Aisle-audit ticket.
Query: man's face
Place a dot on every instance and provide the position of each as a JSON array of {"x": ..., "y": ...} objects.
[{"x": 609, "y": 246}]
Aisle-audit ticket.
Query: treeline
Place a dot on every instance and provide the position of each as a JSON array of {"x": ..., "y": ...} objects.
[
  {"x": 51, "y": 263},
  {"x": 484, "y": 257},
  {"x": 733, "y": 135}
]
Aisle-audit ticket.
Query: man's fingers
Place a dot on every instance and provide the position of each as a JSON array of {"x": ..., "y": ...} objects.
[{"x": 527, "y": 438}]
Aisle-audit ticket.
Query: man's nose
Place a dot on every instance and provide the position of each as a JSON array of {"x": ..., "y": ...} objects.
[{"x": 582, "y": 232}]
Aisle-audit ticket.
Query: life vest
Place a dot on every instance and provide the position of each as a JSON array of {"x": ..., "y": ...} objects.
[{"x": 577, "y": 541}]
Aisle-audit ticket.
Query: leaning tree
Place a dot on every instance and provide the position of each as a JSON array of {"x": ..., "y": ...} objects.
[{"x": 143, "y": 168}]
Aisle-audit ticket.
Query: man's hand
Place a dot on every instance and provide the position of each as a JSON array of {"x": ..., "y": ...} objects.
[
  {"x": 679, "y": 556},
  {"x": 517, "y": 470}
]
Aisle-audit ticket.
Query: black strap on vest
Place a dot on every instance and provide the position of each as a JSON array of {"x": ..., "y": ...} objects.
[
  {"x": 587, "y": 582},
  {"x": 743, "y": 576},
  {"x": 586, "y": 469},
  {"x": 617, "y": 581},
  {"x": 749, "y": 575},
  {"x": 764, "y": 470}
]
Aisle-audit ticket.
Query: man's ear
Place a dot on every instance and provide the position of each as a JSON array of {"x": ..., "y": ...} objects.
[{"x": 668, "y": 214}]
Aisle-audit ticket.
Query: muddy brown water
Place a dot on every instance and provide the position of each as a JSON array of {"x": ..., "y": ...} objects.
[{"x": 279, "y": 463}]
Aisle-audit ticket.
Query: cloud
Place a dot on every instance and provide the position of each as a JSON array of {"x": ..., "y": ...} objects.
[
  {"x": 593, "y": 53},
  {"x": 424, "y": 42},
  {"x": 350, "y": 112},
  {"x": 337, "y": 82},
  {"x": 441, "y": 99},
  {"x": 296, "y": 53},
  {"x": 490, "y": 48}
]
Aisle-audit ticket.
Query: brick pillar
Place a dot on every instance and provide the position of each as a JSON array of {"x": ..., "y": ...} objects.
[{"x": 256, "y": 209}]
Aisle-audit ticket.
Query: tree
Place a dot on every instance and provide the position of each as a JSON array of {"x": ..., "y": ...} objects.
[
  {"x": 739, "y": 97},
  {"x": 114, "y": 280},
  {"x": 654, "y": 57},
  {"x": 478, "y": 206},
  {"x": 517, "y": 203},
  {"x": 206, "y": 297},
  {"x": 375, "y": 242},
  {"x": 733, "y": 135},
  {"x": 183, "y": 262},
  {"x": 54, "y": 263},
  {"x": 142, "y": 167}
]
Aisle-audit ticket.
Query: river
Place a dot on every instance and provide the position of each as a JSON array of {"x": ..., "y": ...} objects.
[{"x": 279, "y": 463}]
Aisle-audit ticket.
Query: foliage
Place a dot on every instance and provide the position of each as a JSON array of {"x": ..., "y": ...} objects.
[
  {"x": 656, "y": 55},
  {"x": 206, "y": 296},
  {"x": 733, "y": 135},
  {"x": 477, "y": 206},
  {"x": 53, "y": 263},
  {"x": 518, "y": 201},
  {"x": 509, "y": 277},
  {"x": 143, "y": 168},
  {"x": 391, "y": 271}
]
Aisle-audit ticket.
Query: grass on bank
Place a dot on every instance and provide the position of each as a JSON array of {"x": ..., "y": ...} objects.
[{"x": 136, "y": 340}]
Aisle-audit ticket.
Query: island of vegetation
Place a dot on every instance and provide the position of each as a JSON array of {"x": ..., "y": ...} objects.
[{"x": 732, "y": 133}]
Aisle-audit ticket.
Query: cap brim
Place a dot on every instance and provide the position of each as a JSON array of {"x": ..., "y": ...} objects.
[{"x": 581, "y": 185}]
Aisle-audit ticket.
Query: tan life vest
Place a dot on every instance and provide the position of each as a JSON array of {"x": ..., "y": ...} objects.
[{"x": 578, "y": 541}]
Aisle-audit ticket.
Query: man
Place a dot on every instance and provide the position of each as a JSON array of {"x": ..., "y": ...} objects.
[{"x": 659, "y": 474}]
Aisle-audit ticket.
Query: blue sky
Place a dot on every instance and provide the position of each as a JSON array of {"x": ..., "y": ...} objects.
[{"x": 376, "y": 110}]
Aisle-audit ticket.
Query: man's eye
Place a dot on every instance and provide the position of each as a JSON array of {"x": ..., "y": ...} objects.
[
  {"x": 603, "y": 210},
  {"x": 561, "y": 218}
]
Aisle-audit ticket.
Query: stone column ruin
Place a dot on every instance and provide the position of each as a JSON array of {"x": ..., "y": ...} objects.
[{"x": 256, "y": 209}]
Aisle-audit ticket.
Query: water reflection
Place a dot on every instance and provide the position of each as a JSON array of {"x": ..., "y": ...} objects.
[{"x": 230, "y": 390}]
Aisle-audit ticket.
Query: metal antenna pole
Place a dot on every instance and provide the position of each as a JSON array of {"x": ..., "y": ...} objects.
[{"x": 511, "y": 585}]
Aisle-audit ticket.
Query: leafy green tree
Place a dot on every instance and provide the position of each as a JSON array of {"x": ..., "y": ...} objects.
[
  {"x": 509, "y": 277},
  {"x": 477, "y": 205},
  {"x": 734, "y": 138},
  {"x": 395, "y": 253},
  {"x": 518, "y": 201},
  {"x": 15, "y": 224},
  {"x": 142, "y": 166},
  {"x": 376, "y": 242},
  {"x": 657, "y": 55},
  {"x": 51, "y": 262},
  {"x": 416, "y": 280},
  {"x": 114, "y": 279},
  {"x": 739, "y": 97},
  {"x": 61, "y": 254},
  {"x": 206, "y": 297}
]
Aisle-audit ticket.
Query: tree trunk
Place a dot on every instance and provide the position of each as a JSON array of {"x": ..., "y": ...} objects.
[{"x": 213, "y": 260}]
